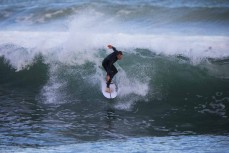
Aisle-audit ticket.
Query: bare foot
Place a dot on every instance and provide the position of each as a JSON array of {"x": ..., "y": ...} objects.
[{"x": 108, "y": 90}]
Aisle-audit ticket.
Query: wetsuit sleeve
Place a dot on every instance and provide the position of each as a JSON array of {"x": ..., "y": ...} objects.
[{"x": 114, "y": 49}]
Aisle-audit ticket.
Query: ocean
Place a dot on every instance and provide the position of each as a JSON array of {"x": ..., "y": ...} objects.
[{"x": 173, "y": 80}]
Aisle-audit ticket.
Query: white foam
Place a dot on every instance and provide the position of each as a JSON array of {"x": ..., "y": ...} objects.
[
  {"x": 25, "y": 45},
  {"x": 80, "y": 46},
  {"x": 89, "y": 31},
  {"x": 128, "y": 85},
  {"x": 52, "y": 92}
]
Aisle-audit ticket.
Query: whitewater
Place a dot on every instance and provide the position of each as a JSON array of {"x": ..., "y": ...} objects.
[{"x": 173, "y": 79}]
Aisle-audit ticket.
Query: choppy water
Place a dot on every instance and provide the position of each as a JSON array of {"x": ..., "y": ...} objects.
[{"x": 173, "y": 80}]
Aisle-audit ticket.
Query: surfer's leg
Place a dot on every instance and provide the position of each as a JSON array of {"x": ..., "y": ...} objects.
[
  {"x": 114, "y": 71},
  {"x": 108, "y": 83},
  {"x": 104, "y": 66}
]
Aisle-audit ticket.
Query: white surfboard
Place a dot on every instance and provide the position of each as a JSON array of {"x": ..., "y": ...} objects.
[{"x": 113, "y": 87}]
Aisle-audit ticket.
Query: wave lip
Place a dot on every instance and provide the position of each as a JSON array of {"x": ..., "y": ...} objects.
[{"x": 87, "y": 43}]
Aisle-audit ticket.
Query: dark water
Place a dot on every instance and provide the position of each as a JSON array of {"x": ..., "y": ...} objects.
[{"x": 173, "y": 80}]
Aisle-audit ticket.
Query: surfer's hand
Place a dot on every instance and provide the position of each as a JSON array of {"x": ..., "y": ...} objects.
[
  {"x": 107, "y": 77},
  {"x": 110, "y": 46}
]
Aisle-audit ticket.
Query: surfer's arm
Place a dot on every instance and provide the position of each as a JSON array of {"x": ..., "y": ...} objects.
[{"x": 112, "y": 47}]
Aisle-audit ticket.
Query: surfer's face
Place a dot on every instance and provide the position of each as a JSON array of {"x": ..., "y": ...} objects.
[{"x": 119, "y": 56}]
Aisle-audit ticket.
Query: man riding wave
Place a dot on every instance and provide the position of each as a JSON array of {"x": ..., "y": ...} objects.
[{"x": 109, "y": 67}]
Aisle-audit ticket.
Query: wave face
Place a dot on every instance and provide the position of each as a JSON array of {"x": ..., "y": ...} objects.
[{"x": 173, "y": 79}]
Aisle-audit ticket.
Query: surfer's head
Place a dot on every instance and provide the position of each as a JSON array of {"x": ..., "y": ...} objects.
[{"x": 119, "y": 55}]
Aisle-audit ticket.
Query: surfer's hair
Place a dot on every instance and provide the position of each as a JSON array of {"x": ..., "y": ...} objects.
[{"x": 119, "y": 52}]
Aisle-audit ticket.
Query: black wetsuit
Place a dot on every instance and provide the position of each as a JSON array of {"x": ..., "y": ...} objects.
[{"x": 108, "y": 65}]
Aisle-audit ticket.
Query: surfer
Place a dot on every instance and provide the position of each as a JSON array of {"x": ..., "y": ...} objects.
[{"x": 109, "y": 67}]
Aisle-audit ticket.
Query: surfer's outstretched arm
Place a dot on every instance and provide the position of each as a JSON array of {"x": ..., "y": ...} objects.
[{"x": 112, "y": 47}]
